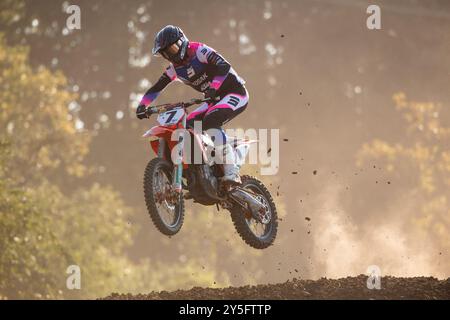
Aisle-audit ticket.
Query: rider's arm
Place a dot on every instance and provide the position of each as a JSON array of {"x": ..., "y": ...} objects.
[
  {"x": 167, "y": 77},
  {"x": 221, "y": 66}
]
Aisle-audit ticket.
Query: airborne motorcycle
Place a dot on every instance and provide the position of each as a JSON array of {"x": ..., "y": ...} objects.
[{"x": 252, "y": 208}]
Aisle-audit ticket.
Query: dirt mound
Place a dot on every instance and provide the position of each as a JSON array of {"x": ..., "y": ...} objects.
[{"x": 344, "y": 288}]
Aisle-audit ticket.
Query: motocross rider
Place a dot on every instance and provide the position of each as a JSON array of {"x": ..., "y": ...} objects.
[{"x": 202, "y": 68}]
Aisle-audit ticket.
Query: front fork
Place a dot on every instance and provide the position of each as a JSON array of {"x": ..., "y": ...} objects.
[
  {"x": 177, "y": 160},
  {"x": 177, "y": 174},
  {"x": 178, "y": 167}
]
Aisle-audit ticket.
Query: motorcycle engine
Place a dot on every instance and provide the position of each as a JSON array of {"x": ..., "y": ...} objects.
[{"x": 203, "y": 184}]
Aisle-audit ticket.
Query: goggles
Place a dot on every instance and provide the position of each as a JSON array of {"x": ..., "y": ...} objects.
[{"x": 171, "y": 52}]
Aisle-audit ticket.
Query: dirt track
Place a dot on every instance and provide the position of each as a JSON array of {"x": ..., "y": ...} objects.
[{"x": 345, "y": 288}]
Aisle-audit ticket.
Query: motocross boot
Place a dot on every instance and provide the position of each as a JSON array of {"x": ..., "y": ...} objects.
[{"x": 230, "y": 168}]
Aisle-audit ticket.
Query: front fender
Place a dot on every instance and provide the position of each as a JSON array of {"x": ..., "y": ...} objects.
[
  {"x": 159, "y": 131},
  {"x": 164, "y": 133}
]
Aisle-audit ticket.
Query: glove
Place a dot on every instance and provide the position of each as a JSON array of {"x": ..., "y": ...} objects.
[
  {"x": 141, "y": 112},
  {"x": 211, "y": 93}
]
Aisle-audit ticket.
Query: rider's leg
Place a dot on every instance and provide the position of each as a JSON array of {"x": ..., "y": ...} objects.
[
  {"x": 194, "y": 155},
  {"x": 223, "y": 111},
  {"x": 197, "y": 115}
]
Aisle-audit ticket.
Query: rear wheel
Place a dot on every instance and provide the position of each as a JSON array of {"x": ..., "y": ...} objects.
[
  {"x": 165, "y": 208},
  {"x": 257, "y": 233}
]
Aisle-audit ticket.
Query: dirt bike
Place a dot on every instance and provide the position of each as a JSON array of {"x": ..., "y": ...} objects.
[{"x": 252, "y": 208}]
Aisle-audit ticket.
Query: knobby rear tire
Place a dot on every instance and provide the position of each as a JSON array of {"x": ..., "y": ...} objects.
[{"x": 239, "y": 219}]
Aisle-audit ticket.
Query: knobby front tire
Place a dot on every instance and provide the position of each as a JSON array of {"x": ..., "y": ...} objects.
[{"x": 155, "y": 168}]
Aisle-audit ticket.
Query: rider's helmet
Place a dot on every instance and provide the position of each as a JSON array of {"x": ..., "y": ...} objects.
[{"x": 171, "y": 43}]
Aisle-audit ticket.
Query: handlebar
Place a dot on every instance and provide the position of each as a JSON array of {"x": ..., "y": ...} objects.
[{"x": 167, "y": 106}]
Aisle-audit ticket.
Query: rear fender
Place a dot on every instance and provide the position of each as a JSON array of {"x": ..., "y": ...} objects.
[{"x": 241, "y": 149}]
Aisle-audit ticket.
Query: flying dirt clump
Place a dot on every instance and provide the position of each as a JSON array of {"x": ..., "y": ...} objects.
[{"x": 345, "y": 288}]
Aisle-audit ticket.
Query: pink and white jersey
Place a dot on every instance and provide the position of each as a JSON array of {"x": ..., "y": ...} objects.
[{"x": 204, "y": 68}]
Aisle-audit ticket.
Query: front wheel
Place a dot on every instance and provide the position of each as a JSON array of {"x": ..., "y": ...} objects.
[
  {"x": 258, "y": 234},
  {"x": 165, "y": 208}
]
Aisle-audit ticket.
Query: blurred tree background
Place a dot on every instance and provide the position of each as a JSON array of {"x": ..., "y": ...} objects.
[
  {"x": 425, "y": 160},
  {"x": 72, "y": 159}
]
